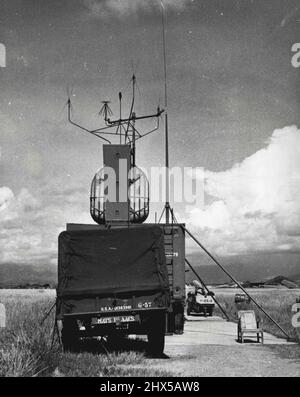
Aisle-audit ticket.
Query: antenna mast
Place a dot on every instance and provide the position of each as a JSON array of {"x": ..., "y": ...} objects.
[{"x": 167, "y": 203}]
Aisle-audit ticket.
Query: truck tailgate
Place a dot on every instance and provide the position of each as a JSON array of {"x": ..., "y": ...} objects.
[{"x": 107, "y": 306}]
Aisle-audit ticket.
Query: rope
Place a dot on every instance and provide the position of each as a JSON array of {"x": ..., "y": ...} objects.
[
  {"x": 197, "y": 275},
  {"x": 160, "y": 218},
  {"x": 48, "y": 313},
  {"x": 233, "y": 279}
]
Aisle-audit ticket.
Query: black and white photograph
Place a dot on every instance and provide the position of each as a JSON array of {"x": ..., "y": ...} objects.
[{"x": 149, "y": 191}]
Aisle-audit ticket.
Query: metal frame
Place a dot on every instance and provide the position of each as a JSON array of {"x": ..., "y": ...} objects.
[{"x": 125, "y": 127}]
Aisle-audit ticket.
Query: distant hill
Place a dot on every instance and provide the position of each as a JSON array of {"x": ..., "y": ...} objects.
[
  {"x": 295, "y": 278},
  {"x": 282, "y": 280},
  {"x": 253, "y": 268},
  {"x": 14, "y": 275}
]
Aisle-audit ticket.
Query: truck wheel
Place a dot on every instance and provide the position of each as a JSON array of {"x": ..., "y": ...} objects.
[
  {"x": 114, "y": 341},
  {"x": 69, "y": 336},
  {"x": 188, "y": 311},
  {"x": 156, "y": 336}
]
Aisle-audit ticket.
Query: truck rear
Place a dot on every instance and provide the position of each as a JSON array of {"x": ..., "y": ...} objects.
[{"x": 112, "y": 282}]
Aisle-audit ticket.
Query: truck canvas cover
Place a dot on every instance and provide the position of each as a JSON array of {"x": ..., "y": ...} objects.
[{"x": 111, "y": 261}]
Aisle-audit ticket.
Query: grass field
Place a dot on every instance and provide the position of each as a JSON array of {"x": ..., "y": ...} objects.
[
  {"x": 27, "y": 347},
  {"x": 276, "y": 302}
]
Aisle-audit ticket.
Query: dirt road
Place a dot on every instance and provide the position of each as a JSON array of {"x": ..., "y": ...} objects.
[{"x": 208, "y": 347}]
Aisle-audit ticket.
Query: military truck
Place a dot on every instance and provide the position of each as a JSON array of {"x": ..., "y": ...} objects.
[
  {"x": 112, "y": 282},
  {"x": 120, "y": 281}
]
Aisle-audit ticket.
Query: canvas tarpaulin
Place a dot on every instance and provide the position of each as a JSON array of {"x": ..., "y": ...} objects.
[{"x": 112, "y": 261}]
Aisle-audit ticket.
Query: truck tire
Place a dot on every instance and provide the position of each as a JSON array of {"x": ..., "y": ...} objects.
[
  {"x": 115, "y": 340},
  {"x": 70, "y": 336},
  {"x": 156, "y": 335}
]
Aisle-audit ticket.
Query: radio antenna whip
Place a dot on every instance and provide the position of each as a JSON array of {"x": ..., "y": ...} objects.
[{"x": 167, "y": 203}]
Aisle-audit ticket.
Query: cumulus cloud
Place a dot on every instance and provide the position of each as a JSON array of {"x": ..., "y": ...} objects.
[
  {"x": 120, "y": 8},
  {"x": 255, "y": 205},
  {"x": 29, "y": 225}
]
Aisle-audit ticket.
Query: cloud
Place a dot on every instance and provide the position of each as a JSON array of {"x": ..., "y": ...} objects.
[
  {"x": 29, "y": 225},
  {"x": 252, "y": 207},
  {"x": 255, "y": 205},
  {"x": 121, "y": 8}
]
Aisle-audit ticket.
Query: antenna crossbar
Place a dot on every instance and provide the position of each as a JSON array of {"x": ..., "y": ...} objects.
[{"x": 125, "y": 127}]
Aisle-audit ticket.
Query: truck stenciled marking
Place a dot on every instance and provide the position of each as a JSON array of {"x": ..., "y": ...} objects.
[
  {"x": 109, "y": 308},
  {"x": 144, "y": 304},
  {"x": 172, "y": 254},
  {"x": 111, "y": 320}
]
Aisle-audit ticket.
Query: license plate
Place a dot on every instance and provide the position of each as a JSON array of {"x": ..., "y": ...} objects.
[{"x": 113, "y": 320}]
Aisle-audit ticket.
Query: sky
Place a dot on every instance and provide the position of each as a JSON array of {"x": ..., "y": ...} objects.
[{"x": 233, "y": 106}]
